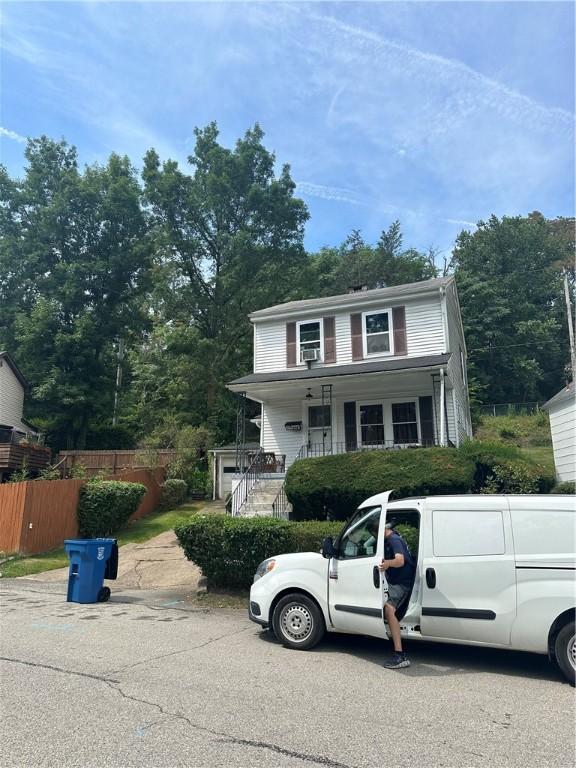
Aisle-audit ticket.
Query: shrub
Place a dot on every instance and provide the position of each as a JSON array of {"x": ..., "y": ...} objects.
[
  {"x": 229, "y": 549},
  {"x": 410, "y": 535},
  {"x": 505, "y": 469},
  {"x": 333, "y": 486},
  {"x": 174, "y": 492},
  {"x": 565, "y": 487},
  {"x": 106, "y": 505}
]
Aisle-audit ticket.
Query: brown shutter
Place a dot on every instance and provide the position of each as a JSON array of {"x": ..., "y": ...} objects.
[
  {"x": 290, "y": 345},
  {"x": 356, "y": 335},
  {"x": 399, "y": 328},
  {"x": 350, "y": 425},
  {"x": 329, "y": 339},
  {"x": 426, "y": 420}
]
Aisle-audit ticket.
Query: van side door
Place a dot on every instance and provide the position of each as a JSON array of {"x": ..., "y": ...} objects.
[{"x": 469, "y": 578}]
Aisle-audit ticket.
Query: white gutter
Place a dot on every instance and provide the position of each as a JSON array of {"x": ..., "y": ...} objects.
[{"x": 442, "y": 409}]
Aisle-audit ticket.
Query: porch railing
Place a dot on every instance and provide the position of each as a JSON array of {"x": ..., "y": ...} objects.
[
  {"x": 308, "y": 451},
  {"x": 14, "y": 437},
  {"x": 281, "y": 505},
  {"x": 248, "y": 480}
]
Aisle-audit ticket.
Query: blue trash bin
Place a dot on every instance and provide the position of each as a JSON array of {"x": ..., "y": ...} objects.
[{"x": 88, "y": 560}]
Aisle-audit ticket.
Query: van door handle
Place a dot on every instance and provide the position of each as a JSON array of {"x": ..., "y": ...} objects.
[
  {"x": 376, "y": 577},
  {"x": 431, "y": 577}
]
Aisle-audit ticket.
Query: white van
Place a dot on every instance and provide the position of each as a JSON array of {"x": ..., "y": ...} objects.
[{"x": 490, "y": 570}]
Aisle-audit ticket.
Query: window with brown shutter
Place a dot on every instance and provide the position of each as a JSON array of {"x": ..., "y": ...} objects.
[
  {"x": 399, "y": 328},
  {"x": 329, "y": 339},
  {"x": 290, "y": 345},
  {"x": 356, "y": 336}
]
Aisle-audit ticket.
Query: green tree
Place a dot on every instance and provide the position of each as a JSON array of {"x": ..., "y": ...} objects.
[
  {"x": 229, "y": 240},
  {"x": 74, "y": 258},
  {"x": 509, "y": 276},
  {"x": 357, "y": 263}
]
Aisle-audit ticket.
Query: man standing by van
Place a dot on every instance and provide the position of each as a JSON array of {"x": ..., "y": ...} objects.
[{"x": 398, "y": 564}]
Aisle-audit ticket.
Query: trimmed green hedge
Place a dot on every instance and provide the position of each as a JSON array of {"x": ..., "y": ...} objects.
[
  {"x": 174, "y": 492},
  {"x": 105, "y": 506},
  {"x": 229, "y": 549},
  {"x": 333, "y": 486}
]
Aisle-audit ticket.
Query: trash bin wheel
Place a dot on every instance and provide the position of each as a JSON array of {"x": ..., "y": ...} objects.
[{"x": 104, "y": 594}]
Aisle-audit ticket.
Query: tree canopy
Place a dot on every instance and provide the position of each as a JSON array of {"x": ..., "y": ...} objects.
[{"x": 169, "y": 263}]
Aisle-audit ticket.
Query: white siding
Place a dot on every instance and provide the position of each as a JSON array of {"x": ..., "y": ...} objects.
[
  {"x": 424, "y": 334},
  {"x": 563, "y": 428},
  {"x": 11, "y": 397},
  {"x": 274, "y": 436}
]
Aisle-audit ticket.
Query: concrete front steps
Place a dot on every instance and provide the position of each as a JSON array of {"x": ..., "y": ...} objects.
[{"x": 261, "y": 498}]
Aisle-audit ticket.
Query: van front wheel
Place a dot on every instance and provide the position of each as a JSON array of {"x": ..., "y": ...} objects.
[
  {"x": 298, "y": 622},
  {"x": 565, "y": 651}
]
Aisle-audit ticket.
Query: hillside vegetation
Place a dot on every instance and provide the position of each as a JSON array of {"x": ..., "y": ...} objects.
[{"x": 529, "y": 432}]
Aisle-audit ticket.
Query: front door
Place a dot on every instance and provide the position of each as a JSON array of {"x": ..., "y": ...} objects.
[
  {"x": 469, "y": 585},
  {"x": 356, "y": 589},
  {"x": 319, "y": 430}
]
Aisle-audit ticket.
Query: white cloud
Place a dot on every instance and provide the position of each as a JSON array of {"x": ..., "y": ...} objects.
[
  {"x": 328, "y": 193},
  {"x": 461, "y": 222},
  {"x": 12, "y": 135}
]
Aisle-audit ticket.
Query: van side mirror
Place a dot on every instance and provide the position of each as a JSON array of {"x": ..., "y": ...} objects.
[{"x": 328, "y": 548}]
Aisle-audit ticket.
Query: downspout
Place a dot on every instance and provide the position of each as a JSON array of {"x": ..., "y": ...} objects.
[
  {"x": 442, "y": 409},
  {"x": 213, "y": 476}
]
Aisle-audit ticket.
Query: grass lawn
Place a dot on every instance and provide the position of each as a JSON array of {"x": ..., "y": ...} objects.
[
  {"x": 541, "y": 455},
  {"x": 135, "y": 533}
]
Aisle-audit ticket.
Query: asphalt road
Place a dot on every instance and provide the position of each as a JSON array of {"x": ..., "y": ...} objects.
[{"x": 147, "y": 680}]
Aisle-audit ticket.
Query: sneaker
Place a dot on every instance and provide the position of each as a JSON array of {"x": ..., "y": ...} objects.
[{"x": 398, "y": 661}]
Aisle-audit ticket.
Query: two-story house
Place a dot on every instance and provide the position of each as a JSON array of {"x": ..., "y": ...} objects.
[{"x": 369, "y": 369}]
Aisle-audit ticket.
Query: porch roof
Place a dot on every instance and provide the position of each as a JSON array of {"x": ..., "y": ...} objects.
[{"x": 354, "y": 369}]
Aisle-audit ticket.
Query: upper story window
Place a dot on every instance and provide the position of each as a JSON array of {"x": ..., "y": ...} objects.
[
  {"x": 309, "y": 336},
  {"x": 377, "y": 333}
]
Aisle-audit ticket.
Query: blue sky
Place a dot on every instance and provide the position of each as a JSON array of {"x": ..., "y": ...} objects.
[{"x": 437, "y": 114}]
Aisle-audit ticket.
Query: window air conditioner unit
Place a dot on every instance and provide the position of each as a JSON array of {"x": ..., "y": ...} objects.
[{"x": 308, "y": 355}]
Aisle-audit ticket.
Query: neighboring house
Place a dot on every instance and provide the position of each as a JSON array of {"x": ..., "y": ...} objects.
[
  {"x": 383, "y": 368},
  {"x": 13, "y": 386},
  {"x": 14, "y": 429},
  {"x": 562, "y": 412}
]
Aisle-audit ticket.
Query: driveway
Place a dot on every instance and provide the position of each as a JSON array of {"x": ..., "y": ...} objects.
[
  {"x": 158, "y": 563},
  {"x": 149, "y": 679}
]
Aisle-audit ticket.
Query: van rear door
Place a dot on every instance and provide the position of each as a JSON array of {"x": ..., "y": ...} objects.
[{"x": 469, "y": 584}]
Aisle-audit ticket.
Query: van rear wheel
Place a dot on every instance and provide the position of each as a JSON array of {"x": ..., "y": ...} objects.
[
  {"x": 298, "y": 622},
  {"x": 565, "y": 651}
]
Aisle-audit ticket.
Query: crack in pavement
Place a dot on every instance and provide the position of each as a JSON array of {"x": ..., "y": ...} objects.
[
  {"x": 59, "y": 669},
  {"x": 176, "y": 653},
  {"x": 115, "y": 685}
]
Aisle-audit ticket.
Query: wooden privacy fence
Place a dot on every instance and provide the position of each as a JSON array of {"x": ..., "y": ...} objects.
[
  {"x": 114, "y": 461},
  {"x": 38, "y": 515}
]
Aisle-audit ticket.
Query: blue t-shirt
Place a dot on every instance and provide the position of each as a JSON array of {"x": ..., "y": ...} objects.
[{"x": 395, "y": 545}]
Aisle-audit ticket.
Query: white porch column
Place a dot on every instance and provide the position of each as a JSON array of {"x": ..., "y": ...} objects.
[{"x": 442, "y": 409}]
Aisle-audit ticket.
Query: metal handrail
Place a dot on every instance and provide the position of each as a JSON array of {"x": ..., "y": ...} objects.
[
  {"x": 248, "y": 480},
  {"x": 307, "y": 451},
  {"x": 280, "y": 505}
]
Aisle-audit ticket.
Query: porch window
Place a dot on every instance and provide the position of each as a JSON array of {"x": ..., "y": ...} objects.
[
  {"x": 377, "y": 333},
  {"x": 309, "y": 337},
  {"x": 405, "y": 422},
  {"x": 372, "y": 424}
]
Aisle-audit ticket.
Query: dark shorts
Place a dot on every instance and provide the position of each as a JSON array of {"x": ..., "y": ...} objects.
[{"x": 397, "y": 593}]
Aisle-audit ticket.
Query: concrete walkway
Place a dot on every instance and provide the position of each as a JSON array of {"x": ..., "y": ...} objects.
[{"x": 158, "y": 563}]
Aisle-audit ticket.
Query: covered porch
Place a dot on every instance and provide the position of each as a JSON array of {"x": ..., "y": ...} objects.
[{"x": 340, "y": 411}]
